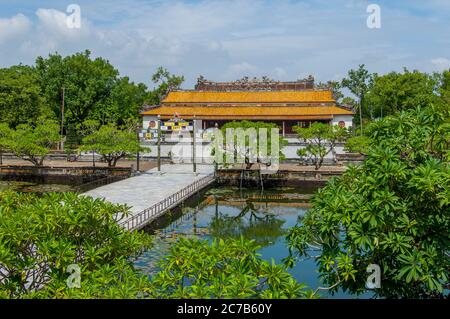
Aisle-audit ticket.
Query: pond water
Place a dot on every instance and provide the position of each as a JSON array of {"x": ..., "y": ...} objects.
[
  {"x": 30, "y": 187},
  {"x": 225, "y": 212},
  {"x": 229, "y": 212}
]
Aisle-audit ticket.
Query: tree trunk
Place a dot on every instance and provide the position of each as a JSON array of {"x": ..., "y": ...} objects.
[
  {"x": 32, "y": 159},
  {"x": 333, "y": 153},
  {"x": 319, "y": 163}
]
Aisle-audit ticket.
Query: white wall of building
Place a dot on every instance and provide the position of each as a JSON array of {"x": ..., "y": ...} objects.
[
  {"x": 180, "y": 145},
  {"x": 182, "y": 151}
]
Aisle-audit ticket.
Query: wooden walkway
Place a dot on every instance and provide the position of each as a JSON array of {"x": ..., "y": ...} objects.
[{"x": 152, "y": 194}]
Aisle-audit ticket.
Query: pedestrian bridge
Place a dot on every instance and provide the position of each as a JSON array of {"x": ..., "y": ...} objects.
[{"x": 153, "y": 193}]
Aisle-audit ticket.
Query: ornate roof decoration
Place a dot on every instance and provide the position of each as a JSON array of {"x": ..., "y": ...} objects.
[{"x": 255, "y": 84}]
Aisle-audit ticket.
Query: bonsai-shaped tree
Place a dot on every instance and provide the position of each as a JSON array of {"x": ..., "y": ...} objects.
[
  {"x": 32, "y": 142},
  {"x": 242, "y": 143},
  {"x": 320, "y": 139},
  {"x": 112, "y": 143}
]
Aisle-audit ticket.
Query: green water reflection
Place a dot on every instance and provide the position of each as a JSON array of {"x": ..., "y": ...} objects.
[
  {"x": 30, "y": 187},
  {"x": 262, "y": 226},
  {"x": 225, "y": 212},
  {"x": 229, "y": 212}
]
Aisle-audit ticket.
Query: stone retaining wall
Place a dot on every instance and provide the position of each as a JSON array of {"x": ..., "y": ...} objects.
[
  {"x": 60, "y": 175},
  {"x": 252, "y": 178}
]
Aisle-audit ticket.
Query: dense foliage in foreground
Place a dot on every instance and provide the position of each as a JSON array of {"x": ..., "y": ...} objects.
[
  {"x": 394, "y": 211},
  {"x": 43, "y": 238},
  {"x": 223, "y": 269},
  {"x": 40, "y": 237}
]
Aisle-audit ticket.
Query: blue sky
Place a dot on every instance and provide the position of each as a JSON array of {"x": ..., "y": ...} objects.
[{"x": 229, "y": 39}]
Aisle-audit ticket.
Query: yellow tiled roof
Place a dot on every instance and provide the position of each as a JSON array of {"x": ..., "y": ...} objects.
[
  {"x": 248, "y": 97},
  {"x": 248, "y": 112}
]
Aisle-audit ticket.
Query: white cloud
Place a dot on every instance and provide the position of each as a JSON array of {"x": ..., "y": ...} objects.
[
  {"x": 53, "y": 24},
  {"x": 224, "y": 40},
  {"x": 14, "y": 27},
  {"x": 441, "y": 63},
  {"x": 241, "y": 69},
  {"x": 52, "y": 19}
]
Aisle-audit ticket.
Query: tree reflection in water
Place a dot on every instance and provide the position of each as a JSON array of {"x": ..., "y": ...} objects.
[{"x": 251, "y": 223}]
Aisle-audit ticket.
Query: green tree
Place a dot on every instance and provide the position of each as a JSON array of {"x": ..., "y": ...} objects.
[
  {"x": 88, "y": 127},
  {"x": 166, "y": 82},
  {"x": 112, "y": 143},
  {"x": 320, "y": 139},
  {"x": 93, "y": 89},
  {"x": 358, "y": 144},
  {"x": 32, "y": 142},
  {"x": 40, "y": 236},
  {"x": 444, "y": 90},
  {"x": 393, "y": 210},
  {"x": 359, "y": 83},
  {"x": 334, "y": 86},
  {"x": 5, "y": 136},
  {"x": 88, "y": 84},
  {"x": 348, "y": 101},
  {"x": 72, "y": 139},
  {"x": 247, "y": 145},
  {"x": 21, "y": 100},
  {"x": 222, "y": 269},
  {"x": 395, "y": 92},
  {"x": 72, "y": 143},
  {"x": 127, "y": 99}
]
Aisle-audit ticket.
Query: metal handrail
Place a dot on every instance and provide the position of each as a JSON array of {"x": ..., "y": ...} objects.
[{"x": 142, "y": 218}]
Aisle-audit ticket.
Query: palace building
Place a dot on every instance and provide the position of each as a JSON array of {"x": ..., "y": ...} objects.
[{"x": 211, "y": 104}]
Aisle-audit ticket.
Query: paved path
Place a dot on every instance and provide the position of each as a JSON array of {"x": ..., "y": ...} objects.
[{"x": 141, "y": 192}]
